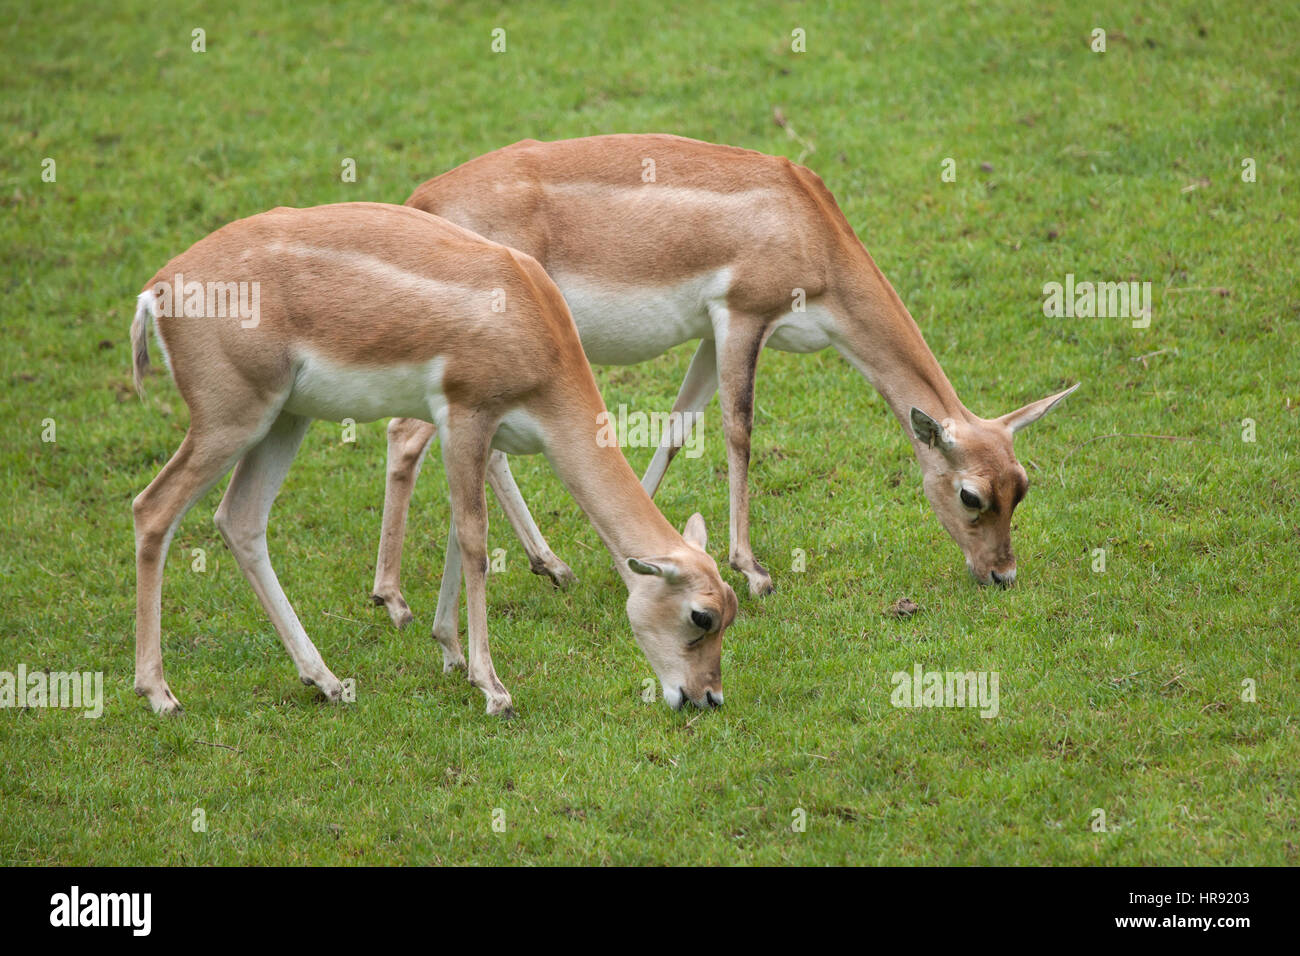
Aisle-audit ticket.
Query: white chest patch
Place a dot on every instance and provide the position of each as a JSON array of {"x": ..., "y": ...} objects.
[
  {"x": 518, "y": 434},
  {"x": 802, "y": 331},
  {"x": 626, "y": 324},
  {"x": 326, "y": 389}
]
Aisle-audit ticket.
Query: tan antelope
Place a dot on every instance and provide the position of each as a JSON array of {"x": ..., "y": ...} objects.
[
  {"x": 657, "y": 240},
  {"x": 363, "y": 311}
]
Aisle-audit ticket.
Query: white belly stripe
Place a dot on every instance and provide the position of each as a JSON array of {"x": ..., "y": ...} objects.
[
  {"x": 626, "y": 324},
  {"x": 331, "y": 391}
]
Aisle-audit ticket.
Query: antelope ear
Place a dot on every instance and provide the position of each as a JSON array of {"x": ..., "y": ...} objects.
[
  {"x": 695, "y": 533},
  {"x": 1034, "y": 411},
  {"x": 930, "y": 432},
  {"x": 660, "y": 569}
]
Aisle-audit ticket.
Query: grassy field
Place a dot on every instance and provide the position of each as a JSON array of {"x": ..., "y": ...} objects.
[{"x": 1126, "y": 691}]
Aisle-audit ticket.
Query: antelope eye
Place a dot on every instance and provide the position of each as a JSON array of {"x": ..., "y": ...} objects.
[
  {"x": 703, "y": 620},
  {"x": 970, "y": 499}
]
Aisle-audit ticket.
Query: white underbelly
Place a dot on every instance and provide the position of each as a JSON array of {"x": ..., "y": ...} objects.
[
  {"x": 328, "y": 390},
  {"x": 626, "y": 324},
  {"x": 332, "y": 391}
]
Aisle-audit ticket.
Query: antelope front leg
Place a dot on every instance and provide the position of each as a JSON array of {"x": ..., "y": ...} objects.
[
  {"x": 408, "y": 440},
  {"x": 541, "y": 559},
  {"x": 465, "y": 448},
  {"x": 697, "y": 390},
  {"x": 737, "y": 368}
]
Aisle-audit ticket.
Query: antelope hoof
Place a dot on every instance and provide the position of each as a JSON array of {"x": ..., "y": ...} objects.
[
  {"x": 329, "y": 685},
  {"x": 561, "y": 574},
  {"x": 452, "y": 657},
  {"x": 760, "y": 582},
  {"x": 498, "y": 698},
  {"x": 397, "y": 608},
  {"x": 161, "y": 699}
]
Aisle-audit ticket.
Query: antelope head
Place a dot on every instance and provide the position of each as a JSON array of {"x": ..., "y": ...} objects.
[
  {"x": 974, "y": 482},
  {"x": 679, "y": 606}
]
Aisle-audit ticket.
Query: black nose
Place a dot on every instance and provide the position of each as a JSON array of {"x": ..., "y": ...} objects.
[
  {"x": 711, "y": 700},
  {"x": 1000, "y": 579}
]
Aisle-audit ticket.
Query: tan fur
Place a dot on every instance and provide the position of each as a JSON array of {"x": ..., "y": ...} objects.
[
  {"x": 581, "y": 208},
  {"x": 365, "y": 286}
]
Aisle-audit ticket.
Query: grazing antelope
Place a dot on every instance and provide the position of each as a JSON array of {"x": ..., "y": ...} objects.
[
  {"x": 657, "y": 240},
  {"x": 365, "y": 311}
]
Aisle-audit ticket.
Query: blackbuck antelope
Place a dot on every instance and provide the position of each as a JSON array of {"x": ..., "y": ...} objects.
[
  {"x": 658, "y": 240},
  {"x": 366, "y": 311}
]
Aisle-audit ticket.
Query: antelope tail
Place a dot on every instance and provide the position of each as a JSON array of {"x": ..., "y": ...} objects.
[{"x": 145, "y": 313}]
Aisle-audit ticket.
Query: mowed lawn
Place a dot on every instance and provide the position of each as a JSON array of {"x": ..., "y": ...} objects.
[{"x": 1162, "y": 691}]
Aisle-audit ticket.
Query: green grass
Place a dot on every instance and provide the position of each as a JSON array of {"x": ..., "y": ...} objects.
[{"x": 1120, "y": 691}]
